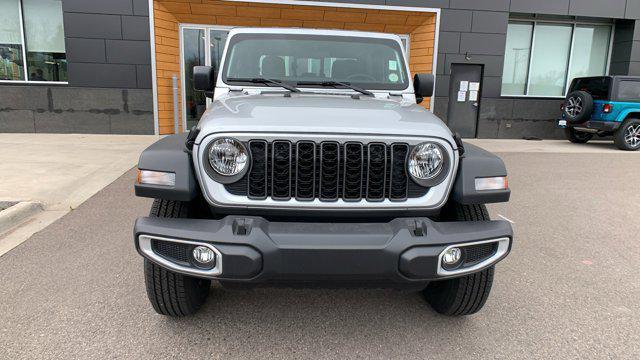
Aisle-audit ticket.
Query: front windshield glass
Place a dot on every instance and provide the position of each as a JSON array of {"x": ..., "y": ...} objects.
[{"x": 310, "y": 60}]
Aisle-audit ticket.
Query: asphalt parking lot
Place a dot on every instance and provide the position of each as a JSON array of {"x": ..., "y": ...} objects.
[{"x": 569, "y": 288}]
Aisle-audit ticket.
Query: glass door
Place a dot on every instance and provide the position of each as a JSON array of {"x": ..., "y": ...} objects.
[{"x": 201, "y": 45}]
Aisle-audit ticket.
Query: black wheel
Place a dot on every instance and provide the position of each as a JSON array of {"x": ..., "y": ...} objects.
[
  {"x": 578, "y": 106},
  {"x": 578, "y": 137},
  {"x": 627, "y": 137},
  {"x": 464, "y": 295},
  {"x": 171, "y": 293}
]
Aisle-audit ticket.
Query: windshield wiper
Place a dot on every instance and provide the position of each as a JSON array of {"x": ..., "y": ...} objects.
[
  {"x": 266, "y": 81},
  {"x": 336, "y": 83}
]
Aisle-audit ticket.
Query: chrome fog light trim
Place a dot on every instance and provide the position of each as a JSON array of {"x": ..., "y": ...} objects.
[
  {"x": 144, "y": 243},
  {"x": 501, "y": 251}
]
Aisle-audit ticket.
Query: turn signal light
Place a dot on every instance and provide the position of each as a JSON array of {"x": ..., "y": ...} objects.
[
  {"x": 492, "y": 183},
  {"x": 607, "y": 108},
  {"x": 149, "y": 177}
]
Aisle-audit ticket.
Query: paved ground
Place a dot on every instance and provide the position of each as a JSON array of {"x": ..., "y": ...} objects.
[
  {"x": 569, "y": 289},
  {"x": 60, "y": 171}
]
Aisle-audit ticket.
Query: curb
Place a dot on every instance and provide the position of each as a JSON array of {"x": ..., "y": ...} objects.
[{"x": 15, "y": 214}]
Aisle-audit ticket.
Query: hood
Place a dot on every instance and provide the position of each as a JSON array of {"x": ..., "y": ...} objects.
[{"x": 320, "y": 113}]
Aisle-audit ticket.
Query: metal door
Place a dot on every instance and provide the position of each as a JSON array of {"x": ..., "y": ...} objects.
[{"x": 464, "y": 99}]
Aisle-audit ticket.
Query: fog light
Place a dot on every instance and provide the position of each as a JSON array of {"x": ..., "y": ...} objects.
[
  {"x": 204, "y": 255},
  {"x": 452, "y": 256}
]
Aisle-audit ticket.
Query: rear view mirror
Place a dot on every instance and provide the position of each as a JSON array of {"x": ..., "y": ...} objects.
[
  {"x": 423, "y": 86},
  {"x": 204, "y": 78}
]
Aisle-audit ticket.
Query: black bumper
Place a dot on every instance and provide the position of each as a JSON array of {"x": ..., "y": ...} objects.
[
  {"x": 608, "y": 126},
  {"x": 254, "y": 250}
]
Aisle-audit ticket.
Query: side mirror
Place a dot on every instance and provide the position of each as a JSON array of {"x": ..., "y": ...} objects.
[
  {"x": 204, "y": 78},
  {"x": 423, "y": 86}
]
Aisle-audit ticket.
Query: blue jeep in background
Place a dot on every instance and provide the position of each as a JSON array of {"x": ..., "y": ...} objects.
[{"x": 603, "y": 106}]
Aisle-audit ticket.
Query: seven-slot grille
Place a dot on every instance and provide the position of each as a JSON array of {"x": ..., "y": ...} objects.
[{"x": 328, "y": 171}]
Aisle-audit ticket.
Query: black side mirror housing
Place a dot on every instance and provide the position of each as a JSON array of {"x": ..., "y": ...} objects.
[
  {"x": 423, "y": 86},
  {"x": 204, "y": 78}
]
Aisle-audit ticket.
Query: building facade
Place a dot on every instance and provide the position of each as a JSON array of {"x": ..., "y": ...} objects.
[{"x": 502, "y": 66}]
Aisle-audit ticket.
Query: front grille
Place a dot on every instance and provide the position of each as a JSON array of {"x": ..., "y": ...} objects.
[{"x": 328, "y": 171}]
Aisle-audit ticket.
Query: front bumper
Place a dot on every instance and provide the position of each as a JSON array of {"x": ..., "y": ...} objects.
[{"x": 254, "y": 250}]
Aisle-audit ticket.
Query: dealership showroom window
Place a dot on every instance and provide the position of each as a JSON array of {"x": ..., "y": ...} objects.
[
  {"x": 32, "y": 41},
  {"x": 542, "y": 57}
]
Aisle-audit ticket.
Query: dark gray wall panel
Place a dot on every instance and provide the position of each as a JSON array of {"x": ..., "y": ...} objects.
[
  {"x": 619, "y": 68},
  {"x": 598, "y": 8},
  {"x": 482, "y": 44},
  {"x": 555, "y": 7},
  {"x": 92, "y": 26},
  {"x": 129, "y": 123},
  {"x": 420, "y": 3},
  {"x": 536, "y": 109},
  {"x": 85, "y": 50},
  {"x": 441, "y": 107},
  {"x": 456, "y": 20},
  {"x": 17, "y": 121},
  {"x": 24, "y": 98},
  {"x": 496, "y": 5},
  {"x": 102, "y": 75},
  {"x": 442, "y": 85},
  {"x": 633, "y": 9},
  {"x": 139, "y": 101},
  {"x": 440, "y": 68},
  {"x": 490, "y": 22},
  {"x": 143, "y": 73},
  {"x": 83, "y": 99},
  {"x": 634, "y": 68},
  {"x": 128, "y": 52},
  {"x": 491, "y": 86},
  {"x": 121, "y": 7},
  {"x": 135, "y": 28},
  {"x": 141, "y": 7},
  {"x": 449, "y": 42},
  {"x": 72, "y": 122}
]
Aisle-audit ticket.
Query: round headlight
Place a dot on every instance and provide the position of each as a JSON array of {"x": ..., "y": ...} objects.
[
  {"x": 426, "y": 161},
  {"x": 228, "y": 156}
]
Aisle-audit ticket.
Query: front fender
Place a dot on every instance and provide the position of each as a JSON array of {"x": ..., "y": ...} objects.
[
  {"x": 169, "y": 154},
  {"x": 477, "y": 163}
]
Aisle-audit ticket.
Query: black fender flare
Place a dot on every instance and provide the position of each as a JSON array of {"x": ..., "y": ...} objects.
[
  {"x": 169, "y": 154},
  {"x": 478, "y": 163}
]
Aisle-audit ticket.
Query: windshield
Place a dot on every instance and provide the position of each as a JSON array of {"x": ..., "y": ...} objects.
[{"x": 310, "y": 60}]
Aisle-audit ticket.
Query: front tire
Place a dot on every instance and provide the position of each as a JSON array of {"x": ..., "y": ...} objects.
[
  {"x": 577, "y": 137},
  {"x": 171, "y": 293},
  {"x": 467, "y": 294},
  {"x": 627, "y": 137}
]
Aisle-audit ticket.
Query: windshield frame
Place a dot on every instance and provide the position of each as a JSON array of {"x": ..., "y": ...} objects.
[{"x": 384, "y": 39}]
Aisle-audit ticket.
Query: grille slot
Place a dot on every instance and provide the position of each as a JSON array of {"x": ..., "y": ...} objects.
[
  {"x": 257, "y": 184},
  {"x": 281, "y": 170},
  {"x": 376, "y": 171},
  {"x": 305, "y": 170},
  {"x": 398, "y": 187},
  {"x": 327, "y": 171}
]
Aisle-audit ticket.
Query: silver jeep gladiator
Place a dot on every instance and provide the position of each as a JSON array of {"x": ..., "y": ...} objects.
[{"x": 314, "y": 165}]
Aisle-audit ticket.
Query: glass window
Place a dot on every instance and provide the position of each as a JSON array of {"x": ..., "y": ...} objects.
[
  {"x": 44, "y": 35},
  {"x": 365, "y": 62},
  {"x": 629, "y": 91},
  {"x": 590, "y": 51},
  {"x": 549, "y": 59},
  {"x": 516, "y": 58},
  {"x": 598, "y": 87},
  {"x": 541, "y": 58},
  {"x": 193, "y": 52},
  {"x": 11, "y": 62}
]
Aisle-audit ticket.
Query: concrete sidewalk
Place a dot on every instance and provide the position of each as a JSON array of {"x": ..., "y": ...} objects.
[{"x": 59, "y": 172}]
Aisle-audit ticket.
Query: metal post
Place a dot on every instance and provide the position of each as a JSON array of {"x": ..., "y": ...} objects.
[{"x": 175, "y": 104}]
